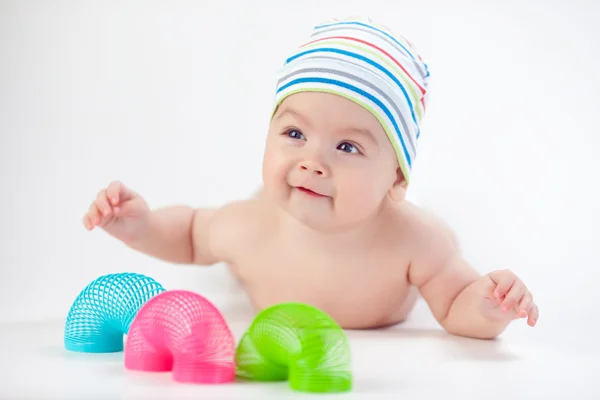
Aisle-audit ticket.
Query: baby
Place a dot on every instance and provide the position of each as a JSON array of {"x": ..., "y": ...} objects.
[{"x": 331, "y": 226}]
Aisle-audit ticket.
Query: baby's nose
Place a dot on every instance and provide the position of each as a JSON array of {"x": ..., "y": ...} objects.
[{"x": 313, "y": 166}]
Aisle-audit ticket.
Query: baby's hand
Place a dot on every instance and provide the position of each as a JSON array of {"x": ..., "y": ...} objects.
[
  {"x": 506, "y": 298},
  {"x": 119, "y": 211}
]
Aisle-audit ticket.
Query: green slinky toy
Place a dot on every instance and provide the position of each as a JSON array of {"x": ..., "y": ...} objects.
[{"x": 299, "y": 343}]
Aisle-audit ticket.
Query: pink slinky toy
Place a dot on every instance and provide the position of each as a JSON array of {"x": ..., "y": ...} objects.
[{"x": 182, "y": 332}]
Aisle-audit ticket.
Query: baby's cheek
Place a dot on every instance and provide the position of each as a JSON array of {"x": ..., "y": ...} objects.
[
  {"x": 273, "y": 168},
  {"x": 360, "y": 194}
]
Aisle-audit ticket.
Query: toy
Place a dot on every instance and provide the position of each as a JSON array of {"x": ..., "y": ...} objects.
[
  {"x": 102, "y": 312},
  {"x": 297, "y": 342},
  {"x": 183, "y": 332}
]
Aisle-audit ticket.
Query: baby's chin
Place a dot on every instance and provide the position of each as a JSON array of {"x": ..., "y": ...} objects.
[
  {"x": 329, "y": 214},
  {"x": 317, "y": 217},
  {"x": 327, "y": 221}
]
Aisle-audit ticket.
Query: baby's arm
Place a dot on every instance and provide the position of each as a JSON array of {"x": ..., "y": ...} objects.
[
  {"x": 200, "y": 236},
  {"x": 464, "y": 302},
  {"x": 179, "y": 234}
]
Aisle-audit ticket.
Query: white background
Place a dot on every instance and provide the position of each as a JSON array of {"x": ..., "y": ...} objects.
[{"x": 173, "y": 99}]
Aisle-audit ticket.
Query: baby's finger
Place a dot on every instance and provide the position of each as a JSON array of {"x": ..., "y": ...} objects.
[
  {"x": 102, "y": 203},
  {"x": 534, "y": 314},
  {"x": 514, "y": 296},
  {"x": 504, "y": 281},
  {"x": 117, "y": 192},
  {"x": 113, "y": 191},
  {"x": 94, "y": 214},
  {"x": 131, "y": 208},
  {"x": 87, "y": 222},
  {"x": 525, "y": 305}
]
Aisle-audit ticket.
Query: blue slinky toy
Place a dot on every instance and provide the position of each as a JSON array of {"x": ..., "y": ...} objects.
[{"x": 103, "y": 311}]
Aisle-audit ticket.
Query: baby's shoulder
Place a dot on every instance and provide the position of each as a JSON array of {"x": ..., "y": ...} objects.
[
  {"x": 430, "y": 242},
  {"x": 238, "y": 218},
  {"x": 420, "y": 229},
  {"x": 237, "y": 226}
]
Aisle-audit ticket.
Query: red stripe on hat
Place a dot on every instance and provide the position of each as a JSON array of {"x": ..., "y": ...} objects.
[{"x": 375, "y": 47}]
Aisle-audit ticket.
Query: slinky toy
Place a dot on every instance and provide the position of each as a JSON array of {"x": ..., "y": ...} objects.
[
  {"x": 182, "y": 332},
  {"x": 299, "y": 343},
  {"x": 102, "y": 312}
]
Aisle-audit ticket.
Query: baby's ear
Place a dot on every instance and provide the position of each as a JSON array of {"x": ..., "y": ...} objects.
[{"x": 398, "y": 189}]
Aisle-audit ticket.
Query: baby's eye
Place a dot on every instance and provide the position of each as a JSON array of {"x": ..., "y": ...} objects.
[
  {"x": 295, "y": 134},
  {"x": 348, "y": 148}
]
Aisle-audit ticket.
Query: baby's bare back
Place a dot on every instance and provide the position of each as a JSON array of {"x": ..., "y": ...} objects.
[{"x": 360, "y": 286}]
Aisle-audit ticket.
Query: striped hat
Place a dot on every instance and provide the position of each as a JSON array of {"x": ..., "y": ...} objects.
[{"x": 367, "y": 64}]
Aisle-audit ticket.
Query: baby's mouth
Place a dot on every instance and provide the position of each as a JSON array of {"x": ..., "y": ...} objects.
[{"x": 310, "y": 192}]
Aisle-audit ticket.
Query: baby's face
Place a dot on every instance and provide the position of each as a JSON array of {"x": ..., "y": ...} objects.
[{"x": 328, "y": 161}]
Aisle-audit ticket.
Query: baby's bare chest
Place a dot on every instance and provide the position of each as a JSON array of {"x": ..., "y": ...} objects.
[{"x": 358, "y": 287}]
